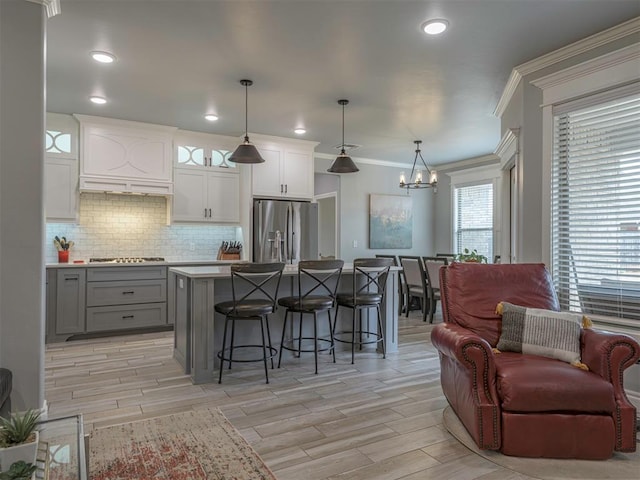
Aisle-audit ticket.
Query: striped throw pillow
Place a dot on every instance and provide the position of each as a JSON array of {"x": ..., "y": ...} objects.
[{"x": 541, "y": 332}]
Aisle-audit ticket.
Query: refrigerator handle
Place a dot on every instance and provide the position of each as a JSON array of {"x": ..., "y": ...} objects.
[
  {"x": 287, "y": 234},
  {"x": 294, "y": 254}
]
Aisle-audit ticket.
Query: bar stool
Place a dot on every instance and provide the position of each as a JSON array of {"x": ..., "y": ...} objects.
[
  {"x": 369, "y": 282},
  {"x": 254, "y": 290},
  {"x": 317, "y": 285}
]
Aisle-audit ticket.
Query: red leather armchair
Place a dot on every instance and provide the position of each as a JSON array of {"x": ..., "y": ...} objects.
[{"x": 527, "y": 405}]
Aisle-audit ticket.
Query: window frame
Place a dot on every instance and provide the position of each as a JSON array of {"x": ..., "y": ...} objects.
[
  {"x": 598, "y": 75},
  {"x": 478, "y": 176}
]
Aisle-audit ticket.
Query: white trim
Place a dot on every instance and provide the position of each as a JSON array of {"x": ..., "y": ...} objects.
[
  {"x": 52, "y": 6},
  {"x": 475, "y": 175},
  {"x": 547, "y": 158},
  {"x": 334, "y": 195},
  {"x": 508, "y": 150},
  {"x": 601, "y": 73},
  {"x": 475, "y": 162},
  {"x": 602, "y": 38},
  {"x": 508, "y": 146}
]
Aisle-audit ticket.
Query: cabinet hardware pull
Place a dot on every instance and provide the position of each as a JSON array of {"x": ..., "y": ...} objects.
[
  {"x": 209, "y": 213},
  {"x": 205, "y": 213},
  {"x": 127, "y": 316},
  {"x": 286, "y": 188},
  {"x": 71, "y": 278},
  {"x": 281, "y": 188},
  {"x": 130, "y": 292}
]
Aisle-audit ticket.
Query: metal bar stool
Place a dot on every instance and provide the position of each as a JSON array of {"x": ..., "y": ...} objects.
[
  {"x": 317, "y": 285},
  {"x": 254, "y": 289},
  {"x": 369, "y": 283}
]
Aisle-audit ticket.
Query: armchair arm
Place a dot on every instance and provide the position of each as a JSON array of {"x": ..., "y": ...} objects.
[
  {"x": 608, "y": 355},
  {"x": 468, "y": 378}
]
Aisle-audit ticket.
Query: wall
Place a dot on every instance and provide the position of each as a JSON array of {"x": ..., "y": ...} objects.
[
  {"x": 113, "y": 225},
  {"x": 355, "y": 189},
  {"x": 22, "y": 88}
]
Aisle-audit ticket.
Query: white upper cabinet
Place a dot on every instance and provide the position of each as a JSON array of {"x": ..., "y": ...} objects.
[
  {"x": 288, "y": 168},
  {"x": 206, "y": 197},
  {"x": 61, "y": 168},
  {"x": 203, "y": 150},
  {"x": 124, "y": 156}
]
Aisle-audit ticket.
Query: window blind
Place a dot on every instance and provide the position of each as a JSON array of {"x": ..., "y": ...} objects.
[
  {"x": 595, "y": 217},
  {"x": 474, "y": 218}
]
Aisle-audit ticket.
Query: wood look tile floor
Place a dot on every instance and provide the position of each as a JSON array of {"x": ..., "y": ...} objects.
[{"x": 377, "y": 419}]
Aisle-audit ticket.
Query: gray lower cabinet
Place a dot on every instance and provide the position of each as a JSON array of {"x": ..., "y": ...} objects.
[
  {"x": 70, "y": 301},
  {"x": 89, "y": 300},
  {"x": 120, "y": 298}
]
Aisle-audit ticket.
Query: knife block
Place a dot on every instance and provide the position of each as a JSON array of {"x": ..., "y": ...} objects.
[{"x": 222, "y": 255}]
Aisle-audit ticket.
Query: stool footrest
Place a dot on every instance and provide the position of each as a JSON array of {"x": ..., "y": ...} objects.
[
  {"x": 355, "y": 338},
  {"x": 272, "y": 353},
  {"x": 294, "y": 349}
]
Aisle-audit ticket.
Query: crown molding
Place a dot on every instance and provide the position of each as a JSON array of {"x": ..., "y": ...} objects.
[
  {"x": 602, "y": 38},
  {"x": 481, "y": 161},
  {"x": 52, "y": 6},
  {"x": 508, "y": 145}
]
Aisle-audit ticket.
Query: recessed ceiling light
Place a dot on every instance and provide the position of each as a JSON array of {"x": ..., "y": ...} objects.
[
  {"x": 103, "y": 57},
  {"x": 98, "y": 100},
  {"x": 300, "y": 131},
  {"x": 435, "y": 26},
  {"x": 211, "y": 117}
]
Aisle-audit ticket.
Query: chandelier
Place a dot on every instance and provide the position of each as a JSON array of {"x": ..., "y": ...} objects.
[{"x": 416, "y": 179}]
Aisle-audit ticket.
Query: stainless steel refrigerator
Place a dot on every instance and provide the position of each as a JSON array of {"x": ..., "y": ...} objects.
[{"x": 285, "y": 231}]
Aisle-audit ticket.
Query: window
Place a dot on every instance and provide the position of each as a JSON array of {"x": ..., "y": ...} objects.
[
  {"x": 473, "y": 211},
  {"x": 595, "y": 204}
]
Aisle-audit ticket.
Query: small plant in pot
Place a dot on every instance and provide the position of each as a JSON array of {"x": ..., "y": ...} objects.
[
  {"x": 19, "y": 438},
  {"x": 19, "y": 471},
  {"x": 470, "y": 256}
]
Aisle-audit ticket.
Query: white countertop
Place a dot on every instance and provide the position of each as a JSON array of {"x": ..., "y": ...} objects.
[
  {"x": 143, "y": 264},
  {"x": 225, "y": 271}
]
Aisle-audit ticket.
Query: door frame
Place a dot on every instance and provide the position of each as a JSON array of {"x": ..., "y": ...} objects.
[{"x": 334, "y": 195}]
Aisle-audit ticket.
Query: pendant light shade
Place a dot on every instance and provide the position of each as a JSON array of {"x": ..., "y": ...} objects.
[
  {"x": 343, "y": 162},
  {"x": 246, "y": 151}
]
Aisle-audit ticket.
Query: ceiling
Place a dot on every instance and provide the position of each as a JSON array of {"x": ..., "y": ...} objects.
[{"x": 177, "y": 60}]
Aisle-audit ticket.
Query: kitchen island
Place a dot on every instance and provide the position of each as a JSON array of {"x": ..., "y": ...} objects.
[{"x": 194, "y": 291}]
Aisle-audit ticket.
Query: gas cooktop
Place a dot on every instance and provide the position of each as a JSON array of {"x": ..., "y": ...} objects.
[{"x": 126, "y": 260}]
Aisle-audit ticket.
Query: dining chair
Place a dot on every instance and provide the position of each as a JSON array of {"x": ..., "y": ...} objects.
[
  {"x": 432, "y": 267},
  {"x": 402, "y": 283},
  {"x": 317, "y": 286},
  {"x": 254, "y": 290},
  {"x": 416, "y": 282},
  {"x": 449, "y": 256},
  {"x": 369, "y": 283}
]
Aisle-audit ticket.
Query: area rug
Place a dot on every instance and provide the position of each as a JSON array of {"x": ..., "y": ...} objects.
[
  {"x": 193, "y": 445},
  {"x": 622, "y": 466}
]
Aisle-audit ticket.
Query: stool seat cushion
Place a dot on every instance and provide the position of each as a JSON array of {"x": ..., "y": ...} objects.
[
  {"x": 309, "y": 303},
  {"x": 347, "y": 300},
  {"x": 246, "y": 308}
]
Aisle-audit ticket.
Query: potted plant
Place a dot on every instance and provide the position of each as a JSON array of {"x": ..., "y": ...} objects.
[
  {"x": 19, "y": 438},
  {"x": 473, "y": 256},
  {"x": 19, "y": 471}
]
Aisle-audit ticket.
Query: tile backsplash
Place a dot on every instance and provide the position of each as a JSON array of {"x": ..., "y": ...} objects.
[{"x": 112, "y": 225}]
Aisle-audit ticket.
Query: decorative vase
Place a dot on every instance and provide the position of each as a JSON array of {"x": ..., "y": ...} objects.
[
  {"x": 25, "y": 451},
  {"x": 63, "y": 256}
]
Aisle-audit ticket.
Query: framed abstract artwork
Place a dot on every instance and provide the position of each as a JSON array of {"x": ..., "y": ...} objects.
[{"x": 390, "y": 221}]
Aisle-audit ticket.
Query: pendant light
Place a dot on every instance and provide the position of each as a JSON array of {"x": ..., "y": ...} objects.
[
  {"x": 246, "y": 151},
  {"x": 343, "y": 162},
  {"x": 415, "y": 179}
]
